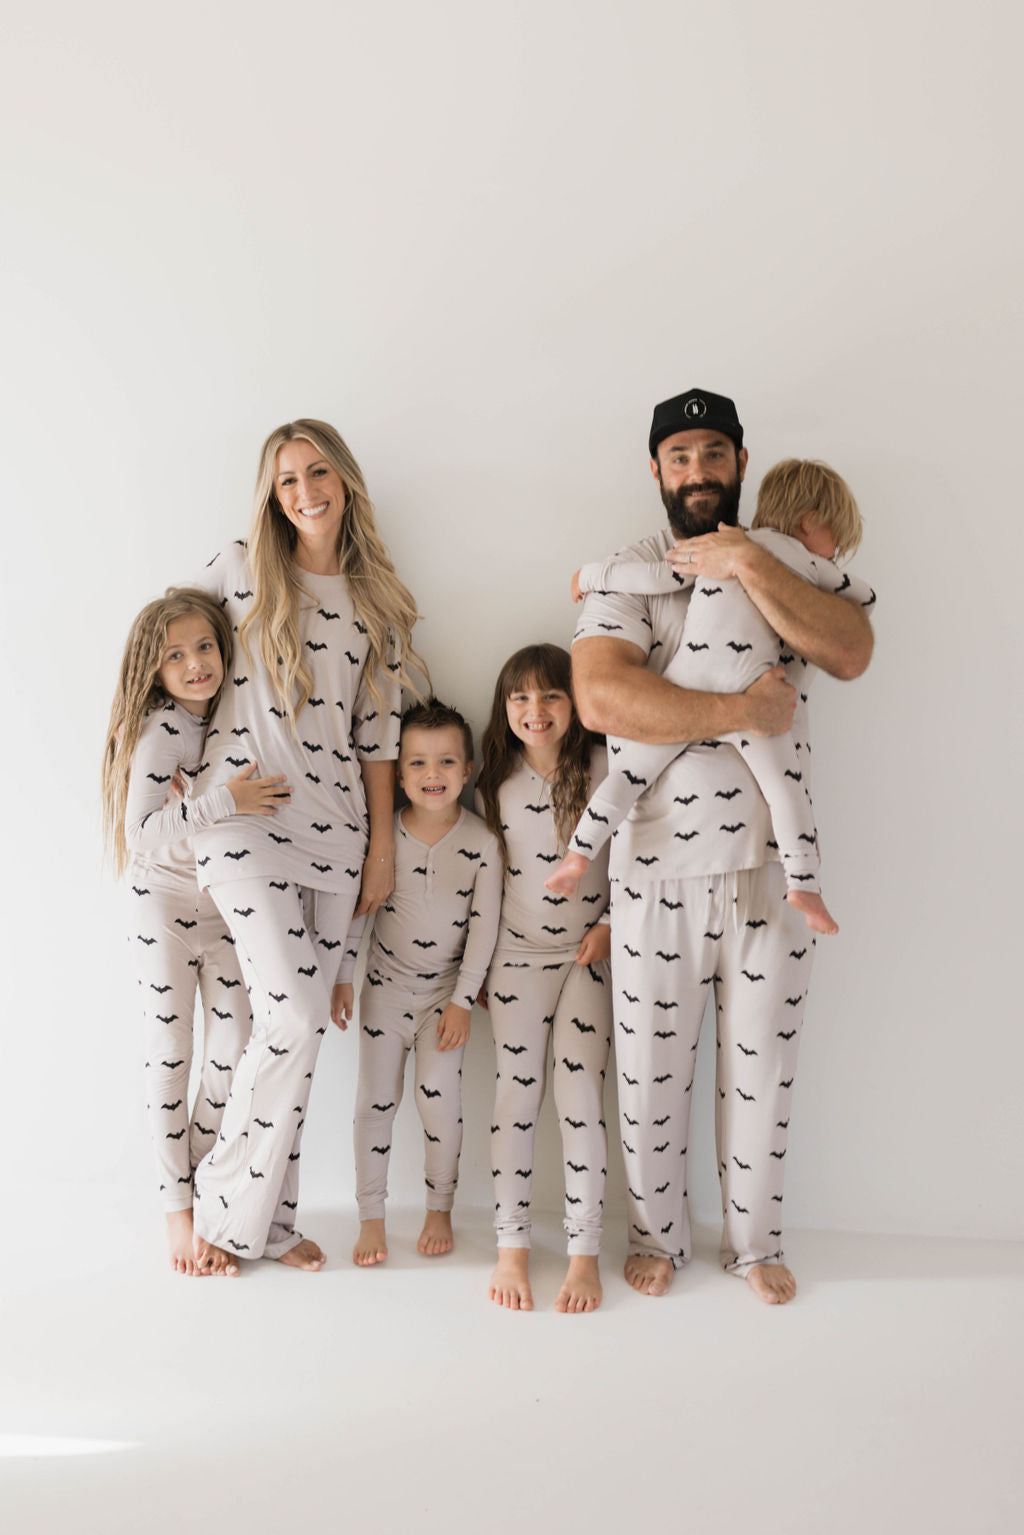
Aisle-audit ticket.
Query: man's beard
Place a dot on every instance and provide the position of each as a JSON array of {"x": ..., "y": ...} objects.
[{"x": 687, "y": 521}]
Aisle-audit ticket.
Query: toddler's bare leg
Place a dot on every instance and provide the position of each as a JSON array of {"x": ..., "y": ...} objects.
[
  {"x": 371, "y": 1244},
  {"x": 510, "y": 1282},
  {"x": 436, "y": 1236},
  {"x": 179, "y": 1243},
  {"x": 816, "y": 913},
  {"x": 581, "y": 1290},
  {"x": 772, "y": 1282},
  {"x": 568, "y": 874}
]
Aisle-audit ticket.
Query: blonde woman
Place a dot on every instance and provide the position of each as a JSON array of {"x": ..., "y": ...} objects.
[{"x": 324, "y": 631}]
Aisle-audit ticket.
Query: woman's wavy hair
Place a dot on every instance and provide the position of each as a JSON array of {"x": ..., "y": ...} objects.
[
  {"x": 139, "y": 691},
  {"x": 538, "y": 666},
  {"x": 383, "y": 605}
]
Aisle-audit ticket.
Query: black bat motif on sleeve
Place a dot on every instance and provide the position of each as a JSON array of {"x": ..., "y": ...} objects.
[
  {"x": 525, "y": 1081},
  {"x": 430, "y": 1092},
  {"x": 572, "y": 1065}
]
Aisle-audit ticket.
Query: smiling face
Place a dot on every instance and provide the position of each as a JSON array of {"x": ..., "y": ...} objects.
[
  {"x": 539, "y": 717},
  {"x": 699, "y": 474},
  {"x": 191, "y": 668},
  {"x": 310, "y": 492},
  {"x": 432, "y": 768}
]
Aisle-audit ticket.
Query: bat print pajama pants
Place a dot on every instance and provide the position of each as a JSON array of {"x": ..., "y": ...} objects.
[
  {"x": 569, "y": 1005},
  {"x": 290, "y": 942},
  {"x": 736, "y": 935},
  {"x": 392, "y": 1023},
  {"x": 180, "y": 942}
]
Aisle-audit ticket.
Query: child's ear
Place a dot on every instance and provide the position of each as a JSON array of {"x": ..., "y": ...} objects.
[
  {"x": 809, "y": 521},
  {"x": 469, "y": 771}
]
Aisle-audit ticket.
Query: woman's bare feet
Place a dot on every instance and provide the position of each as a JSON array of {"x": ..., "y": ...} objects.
[
  {"x": 651, "y": 1276},
  {"x": 568, "y": 874},
  {"x": 304, "y": 1255},
  {"x": 772, "y": 1283},
  {"x": 581, "y": 1290},
  {"x": 510, "y": 1282},
  {"x": 816, "y": 913},
  {"x": 213, "y": 1260},
  {"x": 180, "y": 1243},
  {"x": 371, "y": 1244},
  {"x": 436, "y": 1236}
]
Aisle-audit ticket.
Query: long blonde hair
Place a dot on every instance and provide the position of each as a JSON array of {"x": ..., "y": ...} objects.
[
  {"x": 384, "y": 606},
  {"x": 139, "y": 691},
  {"x": 539, "y": 666}
]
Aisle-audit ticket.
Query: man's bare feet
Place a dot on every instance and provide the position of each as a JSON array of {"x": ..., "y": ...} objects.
[
  {"x": 436, "y": 1236},
  {"x": 581, "y": 1290},
  {"x": 651, "y": 1276},
  {"x": 772, "y": 1283},
  {"x": 510, "y": 1282},
  {"x": 371, "y": 1244},
  {"x": 180, "y": 1243},
  {"x": 816, "y": 913},
  {"x": 304, "y": 1255},
  {"x": 568, "y": 874},
  {"x": 213, "y": 1260}
]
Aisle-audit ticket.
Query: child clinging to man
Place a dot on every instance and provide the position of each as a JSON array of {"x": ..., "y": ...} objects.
[
  {"x": 807, "y": 518},
  {"x": 431, "y": 945}
]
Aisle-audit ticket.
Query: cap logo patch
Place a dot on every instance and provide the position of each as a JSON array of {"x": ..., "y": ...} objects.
[{"x": 695, "y": 409}]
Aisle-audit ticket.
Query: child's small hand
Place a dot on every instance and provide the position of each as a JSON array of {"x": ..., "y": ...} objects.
[
  {"x": 178, "y": 785},
  {"x": 578, "y": 593},
  {"x": 258, "y": 796},
  {"x": 596, "y": 945},
  {"x": 481, "y": 997},
  {"x": 342, "y": 1004},
  {"x": 453, "y": 1027}
]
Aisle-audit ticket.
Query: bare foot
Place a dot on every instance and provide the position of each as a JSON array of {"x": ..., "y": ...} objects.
[
  {"x": 510, "y": 1282},
  {"x": 213, "y": 1260},
  {"x": 772, "y": 1283},
  {"x": 180, "y": 1243},
  {"x": 436, "y": 1236},
  {"x": 304, "y": 1255},
  {"x": 568, "y": 874},
  {"x": 581, "y": 1290},
  {"x": 814, "y": 909},
  {"x": 651, "y": 1276},
  {"x": 371, "y": 1244}
]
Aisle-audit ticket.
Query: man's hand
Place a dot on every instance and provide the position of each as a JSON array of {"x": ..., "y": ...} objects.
[
  {"x": 718, "y": 556},
  {"x": 453, "y": 1027},
  {"x": 596, "y": 945},
  {"x": 774, "y": 704},
  {"x": 343, "y": 1000}
]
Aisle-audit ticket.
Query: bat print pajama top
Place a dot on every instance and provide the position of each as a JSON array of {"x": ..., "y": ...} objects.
[
  {"x": 431, "y": 945},
  {"x": 727, "y": 645},
  {"x": 537, "y": 992},
  {"x": 179, "y": 941},
  {"x": 698, "y": 907},
  {"x": 287, "y": 886}
]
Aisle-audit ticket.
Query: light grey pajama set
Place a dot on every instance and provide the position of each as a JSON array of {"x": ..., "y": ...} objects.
[
  {"x": 432, "y": 942},
  {"x": 727, "y": 645},
  {"x": 538, "y": 993},
  {"x": 287, "y": 886},
  {"x": 698, "y": 907},
  {"x": 179, "y": 941}
]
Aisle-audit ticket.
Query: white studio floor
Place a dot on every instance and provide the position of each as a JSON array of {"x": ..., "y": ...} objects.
[{"x": 886, "y": 1398}]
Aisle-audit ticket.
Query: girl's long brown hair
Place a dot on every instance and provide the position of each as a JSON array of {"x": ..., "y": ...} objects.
[
  {"x": 538, "y": 666},
  {"x": 138, "y": 692}
]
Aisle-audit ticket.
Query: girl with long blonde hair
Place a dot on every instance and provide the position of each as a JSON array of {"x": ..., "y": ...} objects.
[
  {"x": 171, "y": 676},
  {"x": 324, "y": 631},
  {"x": 549, "y": 978}
]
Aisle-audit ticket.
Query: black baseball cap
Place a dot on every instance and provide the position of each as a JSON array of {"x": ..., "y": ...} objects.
[{"x": 694, "y": 410}]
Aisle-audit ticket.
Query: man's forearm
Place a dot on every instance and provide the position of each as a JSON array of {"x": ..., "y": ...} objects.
[{"x": 826, "y": 630}]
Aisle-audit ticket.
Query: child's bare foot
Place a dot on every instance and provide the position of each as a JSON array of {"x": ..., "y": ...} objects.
[
  {"x": 814, "y": 909},
  {"x": 436, "y": 1236},
  {"x": 304, "y": 1255},
  {"x": 510, "y": 1282},
  {"x": 180, "y": 1243},
  {"x": 568, "y": 874},
  {"x": 772, "y": 1283},
  {"x": 651, "y": 1276},
  {"x": 213, "y": 1260},
  {"x": 371, "y": 1244},
  {"x": 582, "y": 1288}
]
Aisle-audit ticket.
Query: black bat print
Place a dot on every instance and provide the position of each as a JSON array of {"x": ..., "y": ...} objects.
[
  {"x": 548, "y": 857},
  {"x": 373, "y": 1033},
  {"x": 214, "y": 1104},
  {"x": 634, "y": 778},
  {"x": 794, "y": 1001},
  {"x": 278, "y": 713},
  {"x": 159, "y": 777},
  {"x": 202, "y": 862},
  {"x": 663, "y": 1147},
  {"x": 265, "y": 1124},
  {"x": 757, "y": 922},
  {"x": 245, "y": 853},
  {"x": 430, "y": 1092},
  {"x": 218, "y": 1014},
  {"x": 315, "y": 645},
  {"x": 709, "y": 591},
  {"x": 664, "y": 1033},
  {"x": 175, "y": 1105},
  {"x": 218, "y": 1067},
  {"x": 424, "y": 943},
  {"x": 322, "y": 868},
  {"x": 525, "y": 1081},
  {"x": 635, "y": 1195},
  {"x": 175, "y": 1135},
  {"x": 553, "y": 930},
  {"x": 660, "y": 954},
  {"x": 691, "y": 646},
  {"x": 727, "y": 793},
  {"x": 635, "y": 895},
  {"x": 145, "y": 940},
  {"x": 745, "y": 1165},
  {"x": 180, "y": 922},
  {"x": 577, "y": 1124},
  {"x": 787, "y": 1084},
  {"x": 166, "y": 1017},
  {"x": 312, "y": 778},
  {"x": 273, "y": 1048},
  {"x": 669, "y": 905},
  {"x": 296, "y": 932},
  {"x": 375, "y": 980},
  {"x": 171, "y": 730},
  {"x": 665, "y": 1077},
  {"x": 256, "y": 1175},
  {"x": 588, "y": 900},
  {"x": 464, "y": 853},
  {"x": 733, "y": 829},
  {"x": 572, "y": 1065},
  {"x": 584, "y": 1028},
  {"x": 795, "y": 953},
  {"x": 653, "y": 859},
  {"x": 382, "y": 1150},
  {"x": 463, "y": 923},
  {"x": 778, "y": 1155},
  {"x": 609, "y": 626},
  {"x": 739, "y": 649},
  {"x": 744, "y": 1049},
  {"x": 538, "y": 809},
  {"x": 571, "y": 1199},
  {"x": 246, "y": 913},
  {"x": 747, "y": 1097},
  {"x": 293, "y": 1156},
  {"x": 158, "y": 989},
  {"x": 524, "y": 1172},
  {"x": 751, "y": 976},
  {"x": 279, "y": 996},
  {"x": 630, "y": 997},
  {"x": 508, "y": 997},
  {"x": 741, "y": 1209},
  {"x": 352, "y": 658},
  {"x": 330, "y": 943},
  {"x": 137, "y": 891},
  {"x": 684, "y": 836},
  {"x": 239, "y": 681},
  {"x": 228, "y": 984},
  {"x": 514, "y": 1049},
  {"x": 307, "y": 970},
  {"x": 665, "y": 1006},
  {"x": 591, "y": 813},
  {"x": 435, "y": 1138}
]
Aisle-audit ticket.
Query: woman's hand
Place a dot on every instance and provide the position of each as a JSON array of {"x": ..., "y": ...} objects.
[
  {"x": 453, "y": 1027},
  {"x": 258, "y": 796},
  {"x": 596, "y": 945},
  {"x": 377, "y": 883}
]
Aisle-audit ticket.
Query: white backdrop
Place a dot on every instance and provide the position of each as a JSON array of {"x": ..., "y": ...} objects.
[{"x": 484, "y": 239}]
